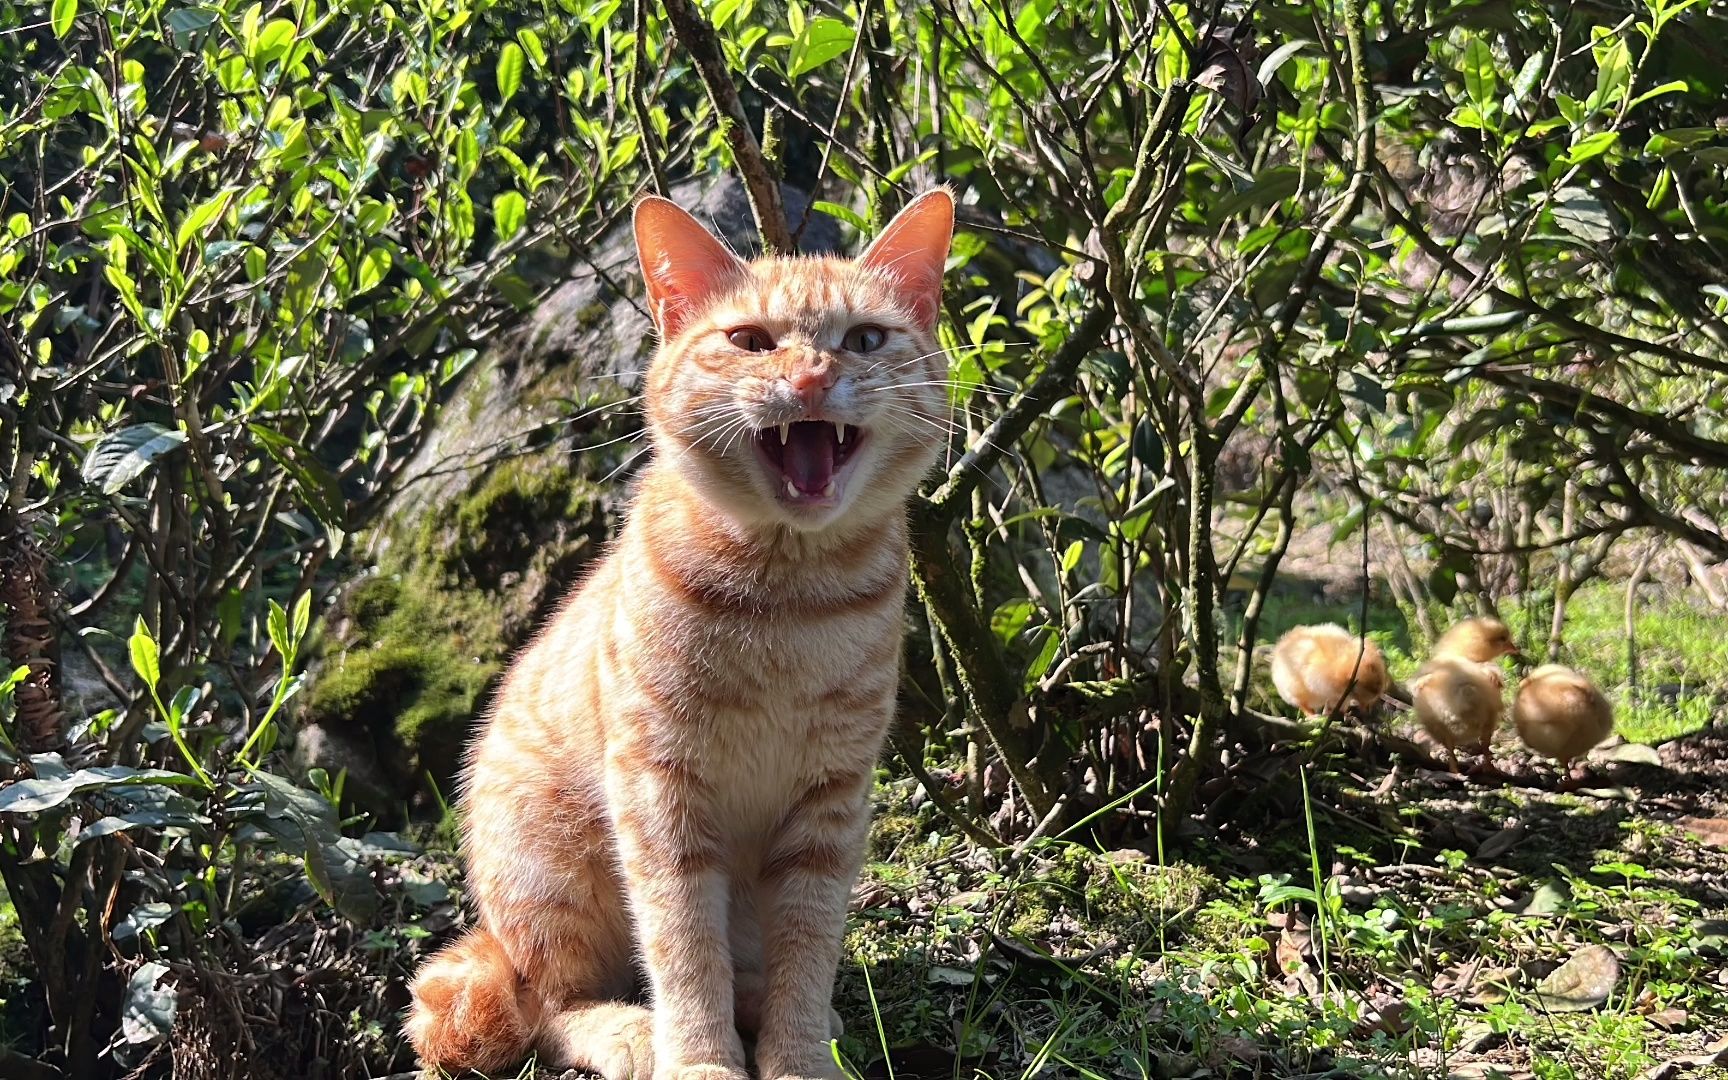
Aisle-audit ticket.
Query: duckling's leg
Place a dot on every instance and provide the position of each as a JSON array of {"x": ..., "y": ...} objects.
[
  {"x": 1486, "y": 766},
  {"x": 1452, "y": 761}
]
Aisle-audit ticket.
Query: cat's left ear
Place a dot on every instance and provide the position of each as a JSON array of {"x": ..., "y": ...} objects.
[{"x": 912, "y": 251}]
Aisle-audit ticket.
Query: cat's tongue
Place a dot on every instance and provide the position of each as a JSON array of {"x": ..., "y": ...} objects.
[{"x": 807, "y": 459}]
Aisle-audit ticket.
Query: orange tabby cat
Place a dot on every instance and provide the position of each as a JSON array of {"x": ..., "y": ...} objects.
[{"x": 675, "y": 775}]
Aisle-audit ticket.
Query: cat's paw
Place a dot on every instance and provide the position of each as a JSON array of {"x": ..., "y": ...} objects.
[
  {"x": 628, "y": 1047},
  {"x": 701, "y": 1072},
  {"x": 815, "y": 1063},
  {"x": 831, "y": 1072}
]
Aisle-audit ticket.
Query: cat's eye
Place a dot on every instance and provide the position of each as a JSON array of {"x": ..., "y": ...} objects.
[
  {"x": 750, "y": 339},
  {"x": 863, "y": 339}
]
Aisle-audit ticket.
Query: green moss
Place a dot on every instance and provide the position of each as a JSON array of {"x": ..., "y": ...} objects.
[
  {"x": 426, "y": 636},
  {"x": 1127, "y": 897},
  {"x": 890, "y": 832}
]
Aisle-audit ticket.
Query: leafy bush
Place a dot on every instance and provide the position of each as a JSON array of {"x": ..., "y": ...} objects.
[{"x": 245, "y": 249}]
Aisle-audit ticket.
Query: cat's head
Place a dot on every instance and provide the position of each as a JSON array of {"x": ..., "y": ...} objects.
[{"x": 797, "y": 391}]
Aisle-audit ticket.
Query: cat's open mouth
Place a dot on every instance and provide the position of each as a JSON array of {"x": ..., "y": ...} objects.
[{"x": 806, "y": 456}]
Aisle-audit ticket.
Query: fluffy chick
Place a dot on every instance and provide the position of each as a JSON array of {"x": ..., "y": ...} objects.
[
  {"x": 1458, "y": 702},
  {"x": 1560, "y": 713},
  {"x": 1312, "y": 667},
  {"x": 1482, "y": 639}
]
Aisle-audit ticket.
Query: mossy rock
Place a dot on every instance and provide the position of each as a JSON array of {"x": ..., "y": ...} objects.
[{"x": 417, "y": 645}]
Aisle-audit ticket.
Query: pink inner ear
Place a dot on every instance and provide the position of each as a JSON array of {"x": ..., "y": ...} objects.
[
  {"x": 911, "y": 252},
  {"x": 683, "y": 266}
]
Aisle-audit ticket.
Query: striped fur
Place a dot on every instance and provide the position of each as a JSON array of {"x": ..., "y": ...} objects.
[{"x": 675, "y": 774}]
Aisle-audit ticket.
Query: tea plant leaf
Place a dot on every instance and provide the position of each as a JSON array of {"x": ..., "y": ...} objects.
[
  {"x": 821, "y": 40},
  {"x": 43, "y": 793},
  {"x": 509, "y": 72},
  {"x": 62, "y": 16},
  {"x": 148, "y": 1014},
  {"x": 123, "y": 456}
]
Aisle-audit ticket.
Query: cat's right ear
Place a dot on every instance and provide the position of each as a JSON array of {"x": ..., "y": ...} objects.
[{"x": 683, "y": 265}]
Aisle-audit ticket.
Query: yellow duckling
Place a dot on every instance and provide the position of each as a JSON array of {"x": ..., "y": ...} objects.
[
  {"x": 1458, "y": 702},
  {"x": 1560, "y": 713},
  {"x": 1314, "y": 667}
]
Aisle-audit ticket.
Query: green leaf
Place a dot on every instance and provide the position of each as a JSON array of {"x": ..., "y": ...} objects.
[
  {"x": 46, "y": 792},
  {"x": 276, "y": 625},
  {"x": 146, "y": 657},
  {"x": 123, "y": 456},
  {"x": 1011, "y": 618},
  {"x": 315, "y": 485},
  {"x": 150, "y": 818},
  {"x": 1049, "y": 645},
  {"x": 307, "y": 822},
  {"x": 373, "y": 266},
  {"x": 842, "y": 213},
  {"x": 531, "y": 43},
  {"x": 509, "y": 213},
  {"x": 1480, "y": 81},
  {"x": 64, "y": 12},
  {"x": 148, "y": 1014},
  {"x": 1071, "y": 557},
  {"x": 1529, "y": 76},
  {"x": 274, "y": 39},
  {"x": 1676, "y": 140},
  {"x": 200, "y": 217},
  {"x": 302, "y": 617},
  {"x": 1580, "y": 213},
  {"x": 821, "y": 40},
  {"x": 1590, "y": 146},
  {"x": 1613, "y": 72},
  {"x": 510, "y": 63},
  {"x": 1675, "y": 86},
  {"x": 185, "y": 700},
  {"x": 186, "y": 23}
]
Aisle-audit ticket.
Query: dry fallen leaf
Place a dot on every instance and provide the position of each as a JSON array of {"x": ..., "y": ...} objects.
[
  {"x": 1581, "y": 983},
  {"x": 1709, "y": 830},
  {"x": 1501, "y": 842},
  {"x": 1487, "y": 1070},
  {"x": 1630, "y": 753},
  {"x": 1688, "y": 1064},
  {"x": 1670, "y": 1019}
]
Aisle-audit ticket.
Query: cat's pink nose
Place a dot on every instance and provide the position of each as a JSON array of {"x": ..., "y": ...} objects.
[{"x": 811, "y": 385}]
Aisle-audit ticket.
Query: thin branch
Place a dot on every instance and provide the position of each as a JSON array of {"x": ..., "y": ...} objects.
[{"x": 697, "y": 35}]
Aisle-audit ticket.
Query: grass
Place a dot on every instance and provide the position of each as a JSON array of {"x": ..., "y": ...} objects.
[
  {"x": 1359, "y": 931},
  {"x": 1395, "y": 954}
]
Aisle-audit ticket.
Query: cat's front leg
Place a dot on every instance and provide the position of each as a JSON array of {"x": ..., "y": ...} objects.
[
  {"x": 806, "y": 881},
  {"x": 672, "y": 863}
]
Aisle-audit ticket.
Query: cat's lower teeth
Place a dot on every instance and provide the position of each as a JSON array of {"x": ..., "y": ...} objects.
[{"x": 791, "y": 489}]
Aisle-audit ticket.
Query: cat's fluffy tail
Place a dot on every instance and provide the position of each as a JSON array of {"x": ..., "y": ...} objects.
[{"x": 469, "y": 1010}]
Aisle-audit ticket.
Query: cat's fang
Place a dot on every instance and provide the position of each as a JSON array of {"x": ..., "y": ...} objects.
[
  {"x": 840, "y": 433},
  {"x": 785, "y": 433},
  {"x": 792, "y": 491}
]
